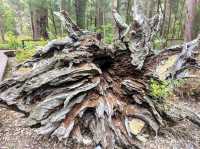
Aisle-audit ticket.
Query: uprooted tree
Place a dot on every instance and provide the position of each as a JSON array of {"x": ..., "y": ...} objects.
[{"x": 83, "y": 91}]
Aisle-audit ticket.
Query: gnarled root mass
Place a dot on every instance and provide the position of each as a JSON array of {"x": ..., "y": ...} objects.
[{"x": 83, "y": 91}]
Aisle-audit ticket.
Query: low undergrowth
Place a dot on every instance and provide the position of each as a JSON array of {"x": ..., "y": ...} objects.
[
  {"x": 24, "y": 54},
  {"x": 161, "y": 90},
  {"x": 29, "y": 50}
]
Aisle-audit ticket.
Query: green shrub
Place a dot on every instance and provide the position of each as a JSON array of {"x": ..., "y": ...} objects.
[
  {"x": 34, "y": 44},
  {"x": 163, "y": 89},
  {"x": 4, "y": 46},
  {"x": 12, "y": 40},
  {"x": 29, "y": 51},
  {"x": 24, "y": 54},
  {"x": 108, "y": 32},
  {"x": 158, "y": 43}
]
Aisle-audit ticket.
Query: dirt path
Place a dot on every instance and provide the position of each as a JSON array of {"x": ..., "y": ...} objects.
[
  {"x": 184, "y": 135},
  {"x": 14, "y": 136}
]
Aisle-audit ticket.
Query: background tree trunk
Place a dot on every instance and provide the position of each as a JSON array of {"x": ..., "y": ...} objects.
[
  {"x": 150, "y": 10},
  {"x": 40, "y": 23},
  {"x": 80, "y": 6},
  {"x": 99, "y": 13},
  {"x": 114, "y": 4},
  {"x": 53, "y": 18},
  {"x": 191, "y": 8},
  {"x": 63, "y": 5},
  {"x": 128, "y": 11},
  {"x": 39, "y": 20},
  {"x": 2, "y": 28},
  {"x": 69, "y": 7}
]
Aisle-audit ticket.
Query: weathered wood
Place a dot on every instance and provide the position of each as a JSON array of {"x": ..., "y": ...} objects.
[
  {"x": 3, "y": 64},
  {"x": 138, "y": 36},
  {"x": 9, "y": 53}
]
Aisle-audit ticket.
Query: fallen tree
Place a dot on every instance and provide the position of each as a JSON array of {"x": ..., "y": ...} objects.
[{"x": 83, "y": 91}]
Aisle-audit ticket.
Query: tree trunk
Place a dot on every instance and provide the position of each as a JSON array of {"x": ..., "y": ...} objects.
[
  {"x": 150, "y": 10},
  {"x": 53, "y": 18},
  {"x": 128, "y": 11},
  {"x": 63, "y": 5},
  {"x": 99, "y": 13},
  {"x": 118, "y": 5},
  {"x": 80, "y": 6},
  {"x": 39, "y": 23},
  {"x": 69, "y": 6},
  {"x": 2, "y": 28},
  {"x": 191, "y": 8},
  {"x": 115, "y": 4}
]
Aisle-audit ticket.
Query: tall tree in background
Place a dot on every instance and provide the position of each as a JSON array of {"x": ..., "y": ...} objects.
[
  {"x": 63, "y": 5},
  {"x": 128, "y": 11},
  {"x": 191, "y": 9},
  {"x": 80, "y": 6},
  {"x": 99, "y": 13},
  {"x": 7, "y": 20},
  {"x": 1, "y": 23},
  {"x": 151, "y": 4},
  {"x": 115, "y": 6},
  {"x": 167, "y": 17},
  {"x": 39, "y": 18},
  {"x": 69, "y": 6}
]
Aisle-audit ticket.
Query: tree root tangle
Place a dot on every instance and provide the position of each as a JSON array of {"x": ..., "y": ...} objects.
[{"x": 83, "y": 91}]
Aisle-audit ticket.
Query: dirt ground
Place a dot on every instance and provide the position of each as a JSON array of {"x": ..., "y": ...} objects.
[
  {"x": 184, "y": 135},
  {"x": 13, "y": 135}
]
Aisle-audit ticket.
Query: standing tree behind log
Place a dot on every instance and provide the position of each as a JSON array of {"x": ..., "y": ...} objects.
[
  {"x": 99, "y": 13},
  {"x": 83, "y": 91},
  {"x": 80, "y": 6},
  {"x": 191, "y": 7},
  {"x": 39, "y": 18},
  {"x": 2, "y": 26}
]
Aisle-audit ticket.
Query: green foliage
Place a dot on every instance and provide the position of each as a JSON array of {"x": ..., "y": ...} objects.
[
  {"x": 29, "y": 51},
  {"x": 24, "y": 54},
  {"x": 159, "y": 90},
  {"x": 108, "y": 33},
  {"x": 163, "y": 89},
  {"x": 12, "y": 40},
  {"x": 158, "y": 43},
  {"x": 8, "y": 17},
  {"x": 4, "y": 46},
  {"x": 107, "y": 30},
  {"x": 34, "y": 44}
]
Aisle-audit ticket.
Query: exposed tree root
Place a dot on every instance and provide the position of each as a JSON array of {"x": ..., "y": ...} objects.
[{"x": 84, "y": 91}]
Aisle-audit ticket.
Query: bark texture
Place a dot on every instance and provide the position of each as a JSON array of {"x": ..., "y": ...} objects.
[
  {"x": 2, "y": 32},
  {"x": 99, "y": 13},
  {"x": 191, "y": 10},
  {"x": 39, "y": 23},
  {"x": 80, "y": 6},
  {"x": 83, "y": 91}
]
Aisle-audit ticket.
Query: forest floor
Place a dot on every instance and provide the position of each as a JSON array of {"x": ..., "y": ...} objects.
[{"x": 13, "y": 135}]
